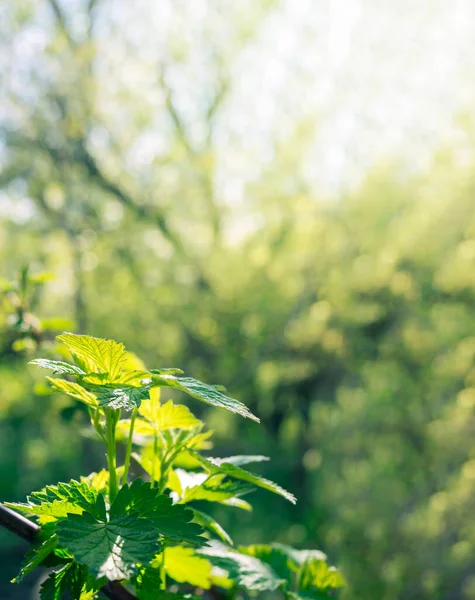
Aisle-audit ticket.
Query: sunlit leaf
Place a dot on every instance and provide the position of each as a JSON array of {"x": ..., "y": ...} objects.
[
  {"x": 58, "y": 367},
  {"x": 102, "y": 356},
  {"x": 205, "y": 393},
  {"x": 117, "y": 396},
  {"x": 73, "y": 389},
  {"x": 214, "y": 465},
  {"x": 184, "y": 566}
]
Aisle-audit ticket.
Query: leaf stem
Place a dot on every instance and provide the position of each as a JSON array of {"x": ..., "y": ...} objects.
[
  {"x": 111, "y": 422},
  {"x": 163, "y": 575},
  {"x": 128, "y": 451},
  {"x": 155, "y": 459}
]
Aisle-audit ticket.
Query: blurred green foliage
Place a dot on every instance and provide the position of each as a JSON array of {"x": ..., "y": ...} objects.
[{"x": 347, "y": 325}]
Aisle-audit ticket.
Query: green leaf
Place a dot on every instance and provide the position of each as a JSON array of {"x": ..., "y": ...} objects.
[
  {"x": 55, "y": 585},
  {"x": 169, "y": 371},
  {"x": 205, "y": 393},
  {"x": 110, "y": 547},
  {"x": 150, "y": 409},
  {"x": 72, "y": 578},
  {"x": 220, "y": 465},
  {"x": 35, "y": 556},
  {"x": 172, "y": 521},
  {"x": 57, "y": 366},
  {"x": 274, "y": 556},
  {"x": 184, "y": 566},
  {"x": 189, "y": 486},
  {"x": 238, "y": 503},
  {"x": 168, "y": 416},
  {"x": 147, "y": 583},
  {"x": 247, "y": 571},
  {"x": 298, "y": 557},
  {"x": 100, "y": 356},
  {"x": 56, "y": 502},
  {"x": 73, "y": 389},
  {"x": 117, "y": 396},
  {"x": 213, "y": 526},
  {"x": 317, "y": 575},
  {"x": 238, "y": 461}
]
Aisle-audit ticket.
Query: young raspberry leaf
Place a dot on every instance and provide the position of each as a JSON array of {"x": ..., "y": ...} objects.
[
  {"x": 168, "y": 416},
  {"x": 240, "y": 460},
  {"x": 147, "y": 583},
  {"x": 316, "y": 576},
  {"x": 273, "y": 556},
  {"x": 95, "y": 354},
  {"x": 71, "y": 578},
  {"x": 212, "y": 526},
  {"x": 171, "y": 521},
  {"x": 247, "y": 571},
  {"x": 73, "y": 389},
  {"x": 57, "y": 501},
  {"x": 196, "y": 486},
  {"x": 206, "y": 393},
  {"x": 35, "y": 556},
  {"x": 58, "y": 367},
  {"x": 222, "y": 466},
  {"x": 109, "y": 547},
  {"x": 117, "y": 396},
  {"x": 298, "y": 557},
  {"x": 184, "y": 566}
]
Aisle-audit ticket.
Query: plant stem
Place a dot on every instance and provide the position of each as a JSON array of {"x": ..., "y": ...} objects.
[
  {"x": 163, "y": 575},
  {"x": 111, "y": 459},
  {"x": 128, "y": 451},
  {"x": 154, "y": 459}
]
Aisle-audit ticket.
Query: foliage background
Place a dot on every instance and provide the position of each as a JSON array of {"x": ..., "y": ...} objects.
[{"x": 278, "y": 197}]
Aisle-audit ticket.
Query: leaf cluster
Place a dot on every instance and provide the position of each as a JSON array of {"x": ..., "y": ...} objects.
[{"x": 109, "y": 526}]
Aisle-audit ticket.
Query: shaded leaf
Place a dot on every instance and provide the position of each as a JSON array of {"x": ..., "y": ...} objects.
[
  {"x": 274, "y": 557},
  {"x": 247, "y": 571},
  {"x": 72, "y": 578},
  {"x": 147, "y": 583},
  {"x": 298, "y": 557},
  {"x": 110, "y": 548},
  {"x": 212, "y": 525},
  {"x": 172, "y": 521},
  {"x": 35, "y": 556}
]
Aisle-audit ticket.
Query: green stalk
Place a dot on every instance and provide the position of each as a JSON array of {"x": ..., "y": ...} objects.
[
  {"x": 163, "y": 575},
  {"x": 111, "y": 455},
  {"x": 128, "y": 451},
  {"x": 154, "y": 460}
]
